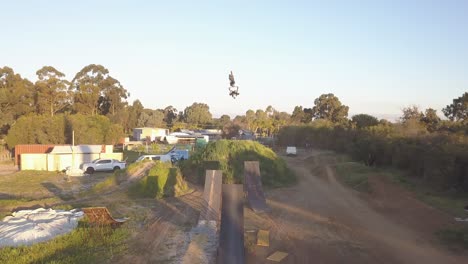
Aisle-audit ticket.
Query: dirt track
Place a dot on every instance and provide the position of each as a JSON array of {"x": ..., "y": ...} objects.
[{"x": 320, "y": 221}]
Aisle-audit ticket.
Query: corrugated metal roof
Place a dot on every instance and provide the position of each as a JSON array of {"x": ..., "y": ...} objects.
[{"x": 82, "y": 149}]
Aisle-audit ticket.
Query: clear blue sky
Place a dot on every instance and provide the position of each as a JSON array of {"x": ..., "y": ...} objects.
[{"x": 376, "y": 56}]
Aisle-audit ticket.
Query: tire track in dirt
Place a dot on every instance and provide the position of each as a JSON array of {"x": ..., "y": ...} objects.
[{"x": 321, "y": 221}]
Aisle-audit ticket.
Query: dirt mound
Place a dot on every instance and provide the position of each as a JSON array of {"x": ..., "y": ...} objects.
[{"x": 229, "y": 156}]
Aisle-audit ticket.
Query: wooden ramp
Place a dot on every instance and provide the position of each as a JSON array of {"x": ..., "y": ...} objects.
[
  {"x": 101, "y": 216},
  {"x": 253, "y": 187},
  {"x": 231, "y": 240},
  {"x": 211, "y": 210}
]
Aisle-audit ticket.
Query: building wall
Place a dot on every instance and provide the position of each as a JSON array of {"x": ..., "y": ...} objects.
[
  {"x": 31, "y": 148},
  {"x": 117, "y": 156},
  {"x": 33, "y": 161},
  {"x": 59, "y": 162},
  {"x": 153, "y": 133}
]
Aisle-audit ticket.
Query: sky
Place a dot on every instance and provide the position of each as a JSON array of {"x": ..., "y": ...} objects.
[{"x": 377, "y": 57}]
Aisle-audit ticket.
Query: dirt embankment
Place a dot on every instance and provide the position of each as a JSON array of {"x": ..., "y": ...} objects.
[{"x": 321, "y": 221}]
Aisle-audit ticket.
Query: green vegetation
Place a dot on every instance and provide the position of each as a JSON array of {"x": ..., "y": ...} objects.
[
  {"x": 162, "y": 180},
  {"x": 229, "y": 156},
  {"x": 42, "y": 188},
  {"x": 134, "y": 167},
  {"x": 43, "y": 129},
  {"x": 83, "y": 245},
  {"x": 439, "y": 160},
  {"x": 27, "y": 184},
  {"x": 454, "y": 238},
  {"x": 355, "y": 175}
]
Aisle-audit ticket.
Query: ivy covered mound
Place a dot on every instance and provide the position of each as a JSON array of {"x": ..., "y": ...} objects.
[
  {"x": 229, "y": 156},
  {"x": 162, "y": 180}
]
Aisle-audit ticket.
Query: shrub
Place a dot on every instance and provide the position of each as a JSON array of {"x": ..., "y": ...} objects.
[
  {"x": 229, "y": 156},
  {"x": 439, "y": 159},
  {"x": 162, "y": 180}
]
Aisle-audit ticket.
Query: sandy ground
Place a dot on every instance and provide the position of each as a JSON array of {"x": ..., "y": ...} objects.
[
  {"x": 7, "y": 169},
  {"x": 164, "y": 237},
  {"x": 320, "y": 221}
]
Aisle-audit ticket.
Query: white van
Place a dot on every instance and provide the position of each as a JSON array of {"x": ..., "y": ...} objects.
[
  {"x": 162, "y": 158},
  {"x": 291, "y": 151}
]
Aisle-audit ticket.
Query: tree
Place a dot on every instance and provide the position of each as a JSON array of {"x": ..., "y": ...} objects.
[
  {"x": 16, "y": 97},
  {"x": 224, "y": 120},
  {"x": 250, "y": 119},
  {"x": 51, "y": 94},
  {"x": 411, "y": 113},
  {"x": 280, "y": 119},
  {"x": 431, "y": 119},
  {"x": 231, "y": 130},
  {"x": 458, "y": 110},
  {"x": 364, "y": 120},
  {"x": 298, "y": 115},
  {"x": 113, "y": 96},
  {"x": 95, "y": 92},
  {"x": 151, "y": 118},
  {"x": 329, "y": 107},
  {"x": 134, "y": 112},
  {"x": 170, "y": 115},
  {"x": 197, "y": 114}
]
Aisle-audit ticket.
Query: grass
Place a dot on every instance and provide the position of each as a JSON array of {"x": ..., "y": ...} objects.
[
  {"x": 162, "y": 180},
  {"x": 27, "y": 183},
  {"x": 454, "y": 238},
  {"x": 134, "y": 167},
  {"x": 83, "y": 245},
  {"x": 229, "y": 156},
  {"x": 354, "y": 175},
  {"x": 33, "y": 189},
  {"x": 451, "y": 204}
]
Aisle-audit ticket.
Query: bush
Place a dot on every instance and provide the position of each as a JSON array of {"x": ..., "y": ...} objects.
[
  {"x": 162, "y": 180},
  {"x": 439, "y": 159},
  {"x": 229, "y": 156}
]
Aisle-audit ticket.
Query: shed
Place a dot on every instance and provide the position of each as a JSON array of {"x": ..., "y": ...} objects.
[
  {"x": 62, "y": 157},
  {"x": 153, "y": 133}
]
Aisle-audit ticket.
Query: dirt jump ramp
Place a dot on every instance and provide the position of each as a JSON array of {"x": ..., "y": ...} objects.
[
  {"x": 253, "y": 187},
  {"x": 211, "y": 210},
  {"x": 231, "y": 240}
]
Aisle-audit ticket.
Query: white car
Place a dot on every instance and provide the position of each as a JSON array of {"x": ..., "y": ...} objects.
[
  {"x": 103, "y": 165},
  {"x": 162, "y": 158},
  {"x": 291, "y": 151}
]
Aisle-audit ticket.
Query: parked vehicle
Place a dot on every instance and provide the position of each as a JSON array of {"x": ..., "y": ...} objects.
[
  {"x": 162, "y": 158},
  {"x": 291, "y": 151},
  {"x": 103, "y": 165},
  {"x": 173, "y": 156}
]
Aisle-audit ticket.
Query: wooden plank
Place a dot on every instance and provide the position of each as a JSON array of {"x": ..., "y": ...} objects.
[
  {"x": 211, "y": 210},
  {"x": 253, "y": 186},
  {"x": 231, "y": 242}
]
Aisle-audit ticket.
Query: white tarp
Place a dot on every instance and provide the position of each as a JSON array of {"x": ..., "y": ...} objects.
[{"x": 27, "y": 227}]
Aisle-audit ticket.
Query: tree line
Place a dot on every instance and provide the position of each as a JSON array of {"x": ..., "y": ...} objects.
[
  {"x": 53, "y": 103},
  {"x": 432, "y": 150}
]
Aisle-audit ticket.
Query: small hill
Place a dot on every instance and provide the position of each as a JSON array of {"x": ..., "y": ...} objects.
[
  {"x": 162, "y": 180},
  {"x": 229, "y": 156}
]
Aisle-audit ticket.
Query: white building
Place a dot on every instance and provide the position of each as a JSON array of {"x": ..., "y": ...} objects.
[{"x": 141, "y": 133}]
